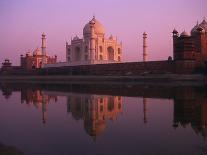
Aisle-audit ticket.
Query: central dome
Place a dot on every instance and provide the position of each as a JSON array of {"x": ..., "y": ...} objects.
[{"x": 99, "y": 29}]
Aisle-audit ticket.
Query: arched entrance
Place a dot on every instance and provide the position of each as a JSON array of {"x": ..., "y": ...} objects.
[
  {"x": 77, "y": 54},
  {"x": 110, "y": 51}
]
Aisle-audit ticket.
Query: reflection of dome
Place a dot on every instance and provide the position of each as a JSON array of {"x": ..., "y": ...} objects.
[
  {"x": 99, "y": 29},
  {"x": 94, "y": 128},
  {"x": 37, "y": 52},
  {"x": 184, "y": 34}
]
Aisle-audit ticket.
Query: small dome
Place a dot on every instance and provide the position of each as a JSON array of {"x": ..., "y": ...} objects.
[
  {"x": 200, "y": 29},
  {"x": 43, "y": 34},
  {"x": 76, "y": 38},
  {"x": 112, "y": 37},
  {"x": 37, "y": 51},
  {"x": 184, "y": 34},
  {"x": 194, "y": 29},
  {"x": 28, "y": 53},
  {"x": 99, "y": 29},
  {"x": 175, "y": 31},
  {"x": 144, "y": 33},
  {"x": 204, "y": 25}
]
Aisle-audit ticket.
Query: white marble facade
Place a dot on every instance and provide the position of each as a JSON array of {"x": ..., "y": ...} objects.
[{"x": 93, "y": 48}]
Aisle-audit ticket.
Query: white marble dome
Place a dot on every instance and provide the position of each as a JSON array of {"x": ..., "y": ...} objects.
[{"x": 99, "y": 29}]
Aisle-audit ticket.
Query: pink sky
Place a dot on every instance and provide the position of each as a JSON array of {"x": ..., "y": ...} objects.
[{"x": 23, "y": 21}]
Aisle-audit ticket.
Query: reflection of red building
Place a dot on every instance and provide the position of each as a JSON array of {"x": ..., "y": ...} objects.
[
  {"x": 189, "y": 108},
  {"x": 95, "y": 110},
  {"x": 38, "y": 58},
  {"x": 38, "y": 99}
]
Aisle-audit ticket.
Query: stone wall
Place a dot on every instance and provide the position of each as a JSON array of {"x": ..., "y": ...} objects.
[{"x": 128, "y": 68}]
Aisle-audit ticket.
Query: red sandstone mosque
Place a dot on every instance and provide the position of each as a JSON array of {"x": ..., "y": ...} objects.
[
  {"x": 190, "y": 51},
  {"x": 38, "y": 57}
]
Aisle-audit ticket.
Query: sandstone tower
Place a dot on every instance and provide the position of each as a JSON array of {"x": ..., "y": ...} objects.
[
  {"x": 144, "y": 46},
  {"x": 44, "y": 48}
]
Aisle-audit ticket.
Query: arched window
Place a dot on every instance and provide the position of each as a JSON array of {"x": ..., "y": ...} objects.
[
  {"x": 119, "y": 58},
  {"x": 100, "y": 57},
  {"x": 86, "y": 57},
  {"x": 86, "y": 49},
  {"x": 119, "y": 51},
  {"x": 110, "y": 53},
  {"x": 110, "y": 104},
  {"x": 77, "y": 54},
  {"x": 100, "y": 49}
]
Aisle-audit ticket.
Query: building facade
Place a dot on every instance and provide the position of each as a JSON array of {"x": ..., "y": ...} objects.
[
  {"x": 190, "y": 51},
  {"x": 93, "y": 48},
  {"x": 38, "y": 57}
]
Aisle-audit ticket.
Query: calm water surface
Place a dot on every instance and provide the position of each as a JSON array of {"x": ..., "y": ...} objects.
[{"x": 101, "y": 120}]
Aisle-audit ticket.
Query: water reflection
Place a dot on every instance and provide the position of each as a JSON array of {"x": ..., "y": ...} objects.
[
  {"x": 38, "y": 99},
  {"x": 94, "y": 110},
  {"x": 190, "y": 108},
  {"x": 101, "y": 109}
]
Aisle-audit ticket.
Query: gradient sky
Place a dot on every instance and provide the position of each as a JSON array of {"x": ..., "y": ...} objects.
[{"x": 23, "y": 21}]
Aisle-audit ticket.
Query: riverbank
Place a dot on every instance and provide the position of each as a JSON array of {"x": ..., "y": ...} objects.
[{"x": 149, "y": 78}]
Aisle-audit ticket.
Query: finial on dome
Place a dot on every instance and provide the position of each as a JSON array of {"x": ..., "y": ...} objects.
[
  {"x": 94, "y": 16},
  {"x": 43, "y": 34}
]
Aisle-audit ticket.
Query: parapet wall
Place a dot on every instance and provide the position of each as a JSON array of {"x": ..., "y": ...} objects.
[{"x": 127, "y": 68}]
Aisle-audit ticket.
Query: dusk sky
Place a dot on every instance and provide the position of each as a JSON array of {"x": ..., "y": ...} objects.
[{"x": 23, "y": 21}]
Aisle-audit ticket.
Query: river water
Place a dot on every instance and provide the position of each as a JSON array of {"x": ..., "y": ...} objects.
[{"x": 41, "y": 119}]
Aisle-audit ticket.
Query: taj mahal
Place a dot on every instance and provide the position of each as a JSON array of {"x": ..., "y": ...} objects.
[{"x": 93, "y": 48}]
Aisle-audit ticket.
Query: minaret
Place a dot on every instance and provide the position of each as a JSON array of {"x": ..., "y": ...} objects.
[
  {"x": 92, "y": 40},
  {"x": 175, "y": 38},
  {"x": 44, "y": 47},
  {"x": 144, "y": 46}
]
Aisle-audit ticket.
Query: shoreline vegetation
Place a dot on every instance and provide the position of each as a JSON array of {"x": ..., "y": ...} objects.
[{"x": 149, "y": 78}]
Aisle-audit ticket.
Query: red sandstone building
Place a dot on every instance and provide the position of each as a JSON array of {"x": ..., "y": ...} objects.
[
  {"x": 38, "y": 58},
  {"x": 190, "y": 51},
  {"x": 35, "y": 60}
]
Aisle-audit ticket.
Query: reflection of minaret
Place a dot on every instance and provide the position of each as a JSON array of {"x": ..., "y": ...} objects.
[
  {"x": 145, "y": 109},
  {"x": 144, "y": 46},
  {"x": 44, "y": 47},
  {"x": 44, "y": 110}
]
